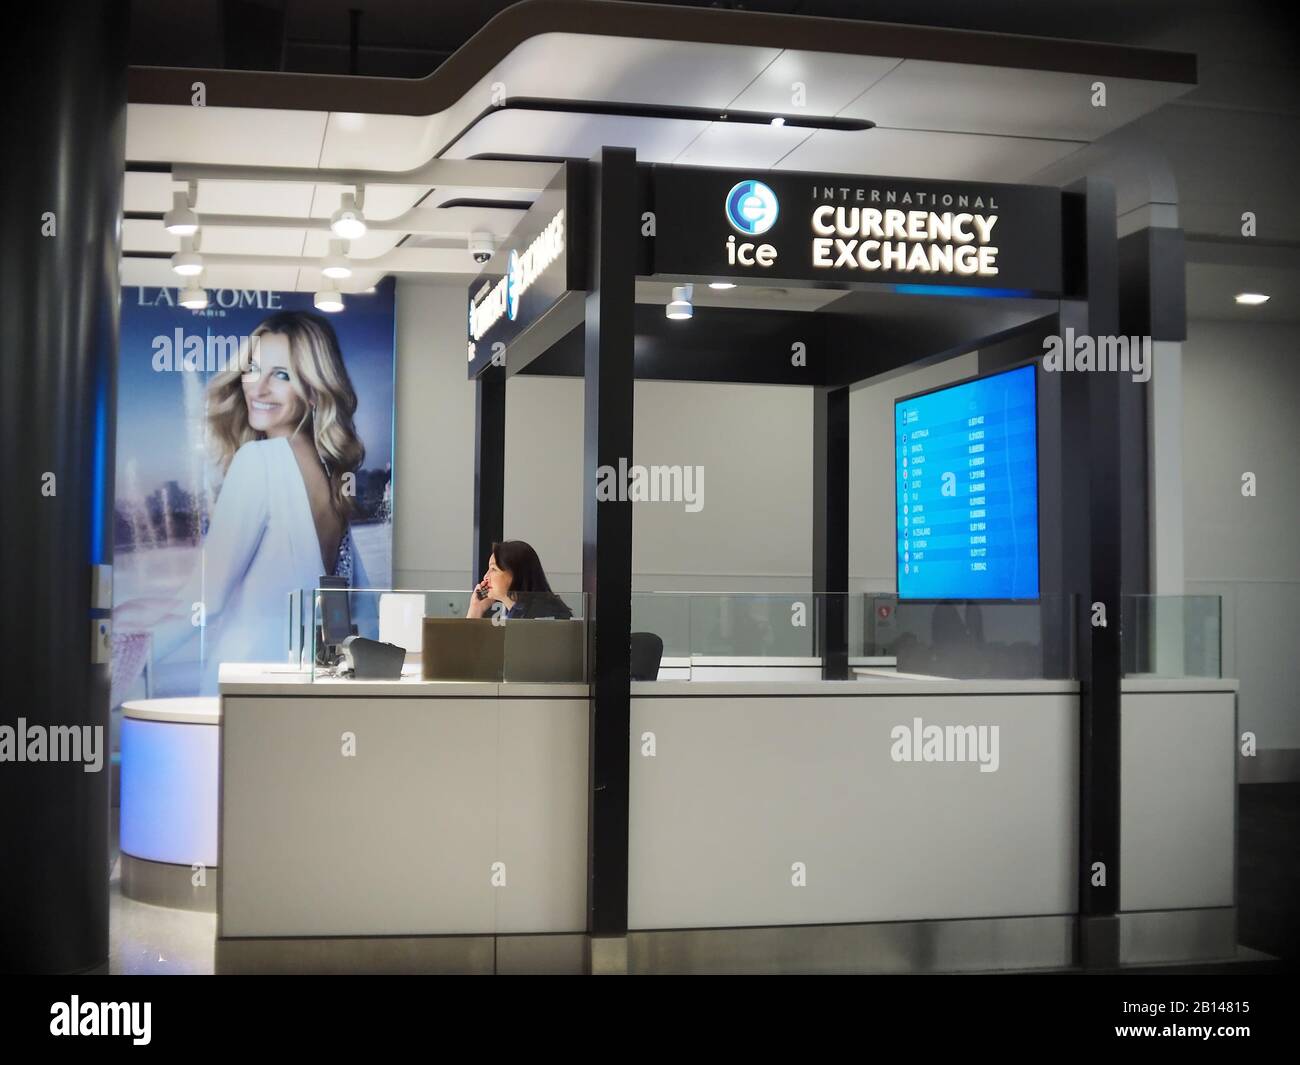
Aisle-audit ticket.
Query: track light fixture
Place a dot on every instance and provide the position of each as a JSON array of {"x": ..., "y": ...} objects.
[
  {"x": 335, "y": 265},
  {"x": 680, "y": 307},
  {"x": 188, "y": 262},
  {"x": 194, "y": 296},
  {"x": 181, "y": 221},
  {"x": 329, "y": 300},
  {"x": 348, "y": 222}
]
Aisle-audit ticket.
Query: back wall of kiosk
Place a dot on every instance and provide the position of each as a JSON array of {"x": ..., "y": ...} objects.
[{"x": 754, "y": 529}]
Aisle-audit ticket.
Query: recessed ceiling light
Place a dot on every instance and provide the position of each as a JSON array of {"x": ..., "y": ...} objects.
[
  {"x": 720, "y": 285},
  {"x": 778, "y": 121},
  {"x": 1251, "y": 299}
]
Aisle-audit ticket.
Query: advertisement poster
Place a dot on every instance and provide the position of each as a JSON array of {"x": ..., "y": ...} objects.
[{"x": 254, "y": 455}]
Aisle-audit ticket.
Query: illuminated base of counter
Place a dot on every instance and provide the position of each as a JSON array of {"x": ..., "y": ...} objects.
[
  {"x": 170, "y": 750},
  {"x": 165, "y": 884}
]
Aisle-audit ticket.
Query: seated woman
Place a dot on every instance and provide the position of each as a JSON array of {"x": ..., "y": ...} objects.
[{"x": 516, "y": 580}]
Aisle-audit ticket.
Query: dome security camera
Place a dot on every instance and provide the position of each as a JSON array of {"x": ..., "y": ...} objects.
[{"x": 481, "y": 247}]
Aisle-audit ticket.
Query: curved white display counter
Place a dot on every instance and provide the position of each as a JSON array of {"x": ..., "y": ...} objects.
[{"x": 169, "y": 772}]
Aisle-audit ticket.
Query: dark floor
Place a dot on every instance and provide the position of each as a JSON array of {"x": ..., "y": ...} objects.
[{"x": 1268, "y": 869}]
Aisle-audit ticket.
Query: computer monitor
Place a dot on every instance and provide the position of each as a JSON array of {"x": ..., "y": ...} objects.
[{"x": 335, "y": 618}]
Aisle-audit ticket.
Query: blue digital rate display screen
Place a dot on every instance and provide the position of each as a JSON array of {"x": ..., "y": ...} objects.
[{"x": 966, "y": 490}]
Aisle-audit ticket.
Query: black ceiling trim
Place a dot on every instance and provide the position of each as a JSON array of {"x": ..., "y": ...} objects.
[{"x": 495, "y": 205}]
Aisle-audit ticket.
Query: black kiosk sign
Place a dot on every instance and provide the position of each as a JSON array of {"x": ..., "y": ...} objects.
[
  {"x": 836, "y": 229},
  {"x": 536, "y": 266}
]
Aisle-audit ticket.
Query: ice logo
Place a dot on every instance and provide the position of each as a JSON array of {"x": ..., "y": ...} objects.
[
  {"x": 514, "y": 282},
  {"x": 752, "y": 208}
]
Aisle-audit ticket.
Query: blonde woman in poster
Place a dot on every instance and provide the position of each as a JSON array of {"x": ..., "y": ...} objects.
[{"x": 281, "y": 427}]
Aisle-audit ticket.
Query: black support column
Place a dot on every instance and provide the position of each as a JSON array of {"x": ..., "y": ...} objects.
[
  {"x": 831, "y": 528},
  {"x": 489, "y": 464},
  {"x": 607, "y": 543},
  {"x": 65, "y": 113},
  {"x": 1097, "y": 433}
]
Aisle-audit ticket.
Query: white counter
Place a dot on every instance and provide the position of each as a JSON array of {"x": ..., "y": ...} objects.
[
  {"x": 357, "y": 808},
  {"x": 412, "y": 808}
]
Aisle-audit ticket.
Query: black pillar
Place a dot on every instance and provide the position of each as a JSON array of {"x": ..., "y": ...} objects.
[
  {"x": 831, "y": 528},
  {"x": 1097, "y": 430},
  {"x": 607, "y": 527},
  {"x": 66, "y": 114},
  {"x": 489, "y": 464}
]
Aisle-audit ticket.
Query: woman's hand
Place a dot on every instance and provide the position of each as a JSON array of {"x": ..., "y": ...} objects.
[{"x": 478, "y": 607}]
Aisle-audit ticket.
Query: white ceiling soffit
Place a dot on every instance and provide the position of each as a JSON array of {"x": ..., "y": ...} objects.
[
  {"x": 962, "y": 97},
  {"x": 922, "y": 154},
  {"x": 898, "y": 94},
  {"x": 954, "y": 119}
]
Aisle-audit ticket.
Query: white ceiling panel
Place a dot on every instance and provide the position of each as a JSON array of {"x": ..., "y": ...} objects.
[
  {"x": 238, "y": 240},
  {"x": 560, "y": 134},
  {"x": 382, "y": 201},
  {"x": 147, "y": 192},
  {"x": 742, "y": 144},
  {"x": 147, "y": 236},
  {"x": 911, "y": 153},
  {"x": 280, "y": 199},
  {"x": 920, "y": 94},
  {"x": 151, "y": 272},
  {"x": 830, "y": 82},
  {"x": 234, "y": 135},
  {"x": 391, "y": 142},
  {"x": 571, "y": 66},
  {"x": 218, "y": 240},
  {"x": 375, "y": 242}
]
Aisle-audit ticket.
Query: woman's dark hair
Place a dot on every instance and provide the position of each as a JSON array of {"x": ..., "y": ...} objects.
[
  {"x": 526, "y": 573},
  {"x": 528, "y": 580}
]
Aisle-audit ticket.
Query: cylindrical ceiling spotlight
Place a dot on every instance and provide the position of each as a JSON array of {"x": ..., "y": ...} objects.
[
  {"x": 335, "y": 264},
  {"x": 680, "y": 307},
  {"x": 187, "y": 262},
  {"x": 329, "y": 300},
  {"x": 180, "y": 220},
  {"x": 348, "y": 222},
  {"x": 194, "y": 296}
]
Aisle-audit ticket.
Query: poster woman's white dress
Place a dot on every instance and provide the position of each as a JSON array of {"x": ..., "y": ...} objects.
[{"x": 261, "y": 546}]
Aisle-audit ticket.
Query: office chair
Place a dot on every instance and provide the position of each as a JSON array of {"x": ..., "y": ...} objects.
[{"x": 647, "y": 653}]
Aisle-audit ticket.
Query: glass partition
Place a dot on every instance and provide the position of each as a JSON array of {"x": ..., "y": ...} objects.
[
  {"x": 973, "y": 639},
  {"x": 703, "y": 632},
  {"x": 1172, "y": 636},
  {"x": 729, "y": 624},
  {"x": 451, "y": 635}
]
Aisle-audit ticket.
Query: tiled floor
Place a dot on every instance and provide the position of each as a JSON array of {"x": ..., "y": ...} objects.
[
  {"x": 154, "y": 939},
  {"x": 144, "y": 939},
  {"x": 1268, "y": 869}
]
